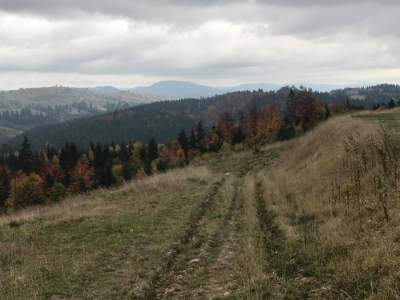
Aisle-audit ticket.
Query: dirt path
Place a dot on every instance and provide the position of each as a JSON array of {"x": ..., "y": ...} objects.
[
  {"x": 202, "y": 264},
  {"x": 202, "y": 271},
  {"x": 182, "y": 247}
]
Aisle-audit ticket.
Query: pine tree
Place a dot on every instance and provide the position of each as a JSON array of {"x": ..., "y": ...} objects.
[
  {"x": 153, "y": 150},
  {"x": 25, "y": 156},
  {"x": 391, "y": 104},
  {"x": 5, "y": 186},
  {"x": 183, "y": 142},
  {"x": 123, "y": 153},
  {"x": 238, "y": 136},
  {"x": 200, "y": 137},
  {"x": 193, "y": 140}
]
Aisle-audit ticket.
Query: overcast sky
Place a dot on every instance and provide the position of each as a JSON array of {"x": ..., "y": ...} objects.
[{"x": 131, "y": 42}]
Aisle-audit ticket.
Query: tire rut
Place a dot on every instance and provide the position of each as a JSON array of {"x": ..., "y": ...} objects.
[
  {"x": 193, "y": 278},
  {"x": 191, "y": 256},
  {"x": 156, "y": 283}
]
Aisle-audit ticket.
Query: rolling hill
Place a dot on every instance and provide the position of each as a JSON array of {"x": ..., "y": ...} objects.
[
  {"x": 24, "y": 109},
  {"x": 53, "y": 96}
]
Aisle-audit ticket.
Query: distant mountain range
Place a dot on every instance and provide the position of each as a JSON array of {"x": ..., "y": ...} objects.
[
  {"x": 172, "y": 90},
  {"x": 177, "y": 90}
]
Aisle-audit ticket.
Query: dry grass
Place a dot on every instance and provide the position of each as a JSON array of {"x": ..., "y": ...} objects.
[
  {"x": 101, "y": 201},
  {"x": 255, "y": 282},
  {"x": 105, "y": 245},
  {"x": 363, "y": 263}
]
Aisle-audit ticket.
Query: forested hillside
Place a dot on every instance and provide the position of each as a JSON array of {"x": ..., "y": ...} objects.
[{"x": 161, "y": 120}]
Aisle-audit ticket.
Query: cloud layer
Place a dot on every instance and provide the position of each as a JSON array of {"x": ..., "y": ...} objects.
[{"x": 124, "y": 42}]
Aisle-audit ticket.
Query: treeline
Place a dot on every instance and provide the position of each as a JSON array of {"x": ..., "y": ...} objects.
[
  {"x": 39, "y": 115},
  {"x": 370, "y": 97},
  {"x": 33, "y": 178},
  {"x": 357, "y": 105}
]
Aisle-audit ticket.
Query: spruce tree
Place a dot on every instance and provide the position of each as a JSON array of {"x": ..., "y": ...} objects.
[
  {"x": 193, "y": 141},
  {"x": 183, "y": 141},
  {"x": 391, "y": 104},
  {"x": 25, "y": 156},
  {"x": 5, "y": 186},
  {"x": 238, "y": 136},
  {"x": 153, "y": 150},
  {"x": 200, "y": 137}
]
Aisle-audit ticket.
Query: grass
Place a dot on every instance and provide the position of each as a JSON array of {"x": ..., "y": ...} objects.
[
  {"x": 330, "y": 254},
  {"x": 116, "y": 239}
]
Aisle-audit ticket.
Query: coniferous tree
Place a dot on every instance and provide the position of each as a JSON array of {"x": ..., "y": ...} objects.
[
  {"x": 192, "y": 140},
  {"x": 200, "y": 137},
  {"x": 153, "y": 150},
  {"x": 108, "y": 177},
  {"x": 183, "y": 142},
  {"x": 238, "y": 136},
  {"x": 5, "y": 186},
  {"x": 25, "y": 156},
  {"x": 123, "y": 154},
  {"x": 391, "y": 104}
]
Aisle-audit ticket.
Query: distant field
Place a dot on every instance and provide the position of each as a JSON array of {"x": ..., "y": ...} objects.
[
  {"x": 7, "y": 133},
  {"x": 390, "y": 119}
]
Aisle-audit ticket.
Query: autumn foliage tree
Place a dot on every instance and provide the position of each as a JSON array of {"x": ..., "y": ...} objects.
[
  {"x": 82, "y": 176},
  {"x": 26, "y": 190},
  {"x": 5, "y": 186},
  {"x": 304, "y": 111}
]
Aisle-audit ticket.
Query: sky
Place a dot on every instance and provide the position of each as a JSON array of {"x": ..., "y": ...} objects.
[{"x": 126, "y": 43}]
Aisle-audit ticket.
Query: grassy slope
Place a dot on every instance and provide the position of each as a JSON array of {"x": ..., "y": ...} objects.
[
  {"x": 249, "y": 227},
  {"x": 319, "y": 251},
  {"x": 103, "y": 247}
]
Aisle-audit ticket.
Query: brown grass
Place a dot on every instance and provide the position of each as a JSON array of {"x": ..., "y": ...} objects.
[
  {"x": 364, "y": 263},
  {"x": 105, "y": 245},
  {"x": 101, "y": 201}
]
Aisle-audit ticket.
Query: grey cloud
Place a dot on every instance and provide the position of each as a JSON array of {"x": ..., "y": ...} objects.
[
  {"x": 205, "y": 40},
  {"x": 303, "y": 17}
]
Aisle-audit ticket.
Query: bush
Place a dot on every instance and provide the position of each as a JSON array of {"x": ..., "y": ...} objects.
[
  {"x": 57, "y": 192},
  {"x": 26, "y": 191}
]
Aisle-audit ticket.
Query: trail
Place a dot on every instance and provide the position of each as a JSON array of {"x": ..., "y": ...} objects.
[
  {"x": 202, "y": 263},
  {"x": 186, "y": 242},
  {"x": 202, "y": 271}
]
